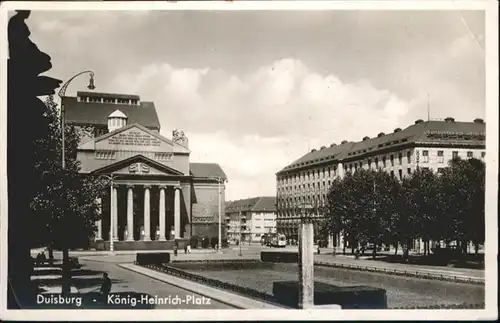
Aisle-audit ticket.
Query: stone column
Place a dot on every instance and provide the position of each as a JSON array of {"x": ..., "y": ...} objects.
[
  {"x": 306, "y": 265},
  {"x": 114, "y": 213},
  {"x": 147, "y": 224},
  {"x": 130, "y": 213},
  {"x": 177, "y": 212},
  {"x": 99, "y": 222},
  {"x": 162, "y": 213}
]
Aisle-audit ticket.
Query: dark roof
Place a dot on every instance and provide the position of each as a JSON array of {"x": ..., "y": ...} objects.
[
  {"x": 205, "y": 170},
  {"x": 328, "y": 154},
  {"x": 254, "y": 204},
  {"x": 108, "y": 95},
  {"x": 428, "y": 132},
  {"x": 97, "y": 113}
]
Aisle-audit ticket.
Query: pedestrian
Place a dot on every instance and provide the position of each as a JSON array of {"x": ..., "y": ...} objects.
[
  {"x": 357, "y": 254},
  {"x": 176, "y": 246},
  {"x": 106, "y": 286},
  {"x": 319, "y": 251},
  {"x": 186, "y": 249}
]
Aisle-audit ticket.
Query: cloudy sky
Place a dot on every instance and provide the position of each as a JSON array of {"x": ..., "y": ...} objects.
[{"x": 255, "y": 90}]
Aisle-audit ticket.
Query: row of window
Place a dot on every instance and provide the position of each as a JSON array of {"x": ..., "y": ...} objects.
[
  {"x": 95, "y": 99},
  {"x": 109, "y": 154},
  {"x": 317, "y": 174}
]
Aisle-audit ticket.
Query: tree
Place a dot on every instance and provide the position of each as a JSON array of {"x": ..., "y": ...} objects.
[
  {"x": 462, "y": 188},
  {"x": 65, "y": 206},
  {"x": 420, "y": 209}
]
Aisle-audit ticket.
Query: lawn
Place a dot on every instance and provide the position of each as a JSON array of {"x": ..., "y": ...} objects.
[{"x": 401, "y": 291}]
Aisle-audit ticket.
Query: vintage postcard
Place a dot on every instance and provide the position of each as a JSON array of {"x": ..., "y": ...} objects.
[{"x": 249, "y": 160}]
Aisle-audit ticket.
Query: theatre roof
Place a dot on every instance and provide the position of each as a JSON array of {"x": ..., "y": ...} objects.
[
  {"x": 448, "y": 132},
  {"x": 254, "y": 204},
  {"x": 97, "y": 113},
  {"x": 204, "y": 170}
]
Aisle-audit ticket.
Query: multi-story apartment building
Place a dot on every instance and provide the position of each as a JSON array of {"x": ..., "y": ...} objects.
[
  {"x": 251, "y": 218},
  {"x": 425, "y": 144}
]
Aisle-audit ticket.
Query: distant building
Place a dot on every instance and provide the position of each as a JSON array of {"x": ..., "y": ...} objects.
[
  {"x": 252, "y": 218},
  {"x": 425, "y": 144},
  {"x": 158, "y": 194}
]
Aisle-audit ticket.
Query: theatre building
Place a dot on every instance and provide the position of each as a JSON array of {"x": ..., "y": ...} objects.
[
  {"x": 156, "y": 194},
  {"x": 425, "y": 144}
]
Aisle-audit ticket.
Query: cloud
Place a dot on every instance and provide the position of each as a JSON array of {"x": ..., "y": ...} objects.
[{"x": 257, "y": 123}]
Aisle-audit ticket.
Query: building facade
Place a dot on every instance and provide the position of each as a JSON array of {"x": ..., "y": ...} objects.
[
  {"x": 251, "y": 218},
  {"x": 425, "y": 144},
  {"x": 156, "y": 194}
]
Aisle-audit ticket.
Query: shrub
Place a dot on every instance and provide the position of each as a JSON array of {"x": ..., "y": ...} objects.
[
  {"x": 193, "y": 241},
  {"x": 214, "y": 241},
  {"x": 225, "y": 243},
  {"x": 204, "y": 242},
  {"x": 152, "y": 258}
]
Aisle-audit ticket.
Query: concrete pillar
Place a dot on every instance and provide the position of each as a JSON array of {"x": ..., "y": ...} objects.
[
  {"x": 306, "y": 265},
  {"x": 147, "y": 223},
  {"x": 130, "y": 213},
  {"x": 99, "y": 222},
  {"x": 115, "y": 213},
  {"x": 162, "y": 214},
  {"x": 177, "y": 212}
]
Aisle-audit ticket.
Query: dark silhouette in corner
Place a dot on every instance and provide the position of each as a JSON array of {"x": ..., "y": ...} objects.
[{"x": 25, "y": 123}]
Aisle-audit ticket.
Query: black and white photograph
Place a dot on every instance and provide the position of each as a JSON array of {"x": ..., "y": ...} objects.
[{"x": 249, "y": 160}]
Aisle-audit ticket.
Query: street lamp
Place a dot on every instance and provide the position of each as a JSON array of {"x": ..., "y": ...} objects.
[
  {"x": 239, "y": 225},
  {"x": 62, "y": 94},
  {"x": 111, "y": 178},
  {"x": 219, "y": 180}
]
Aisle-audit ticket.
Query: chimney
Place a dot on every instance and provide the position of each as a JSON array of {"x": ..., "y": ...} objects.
[
  {"x": 419, "y": 121},
  {"x": 478, "y": 120},
  {"x": 397, "y": 130},
  {"x": 449, "y": 119},
  {"x": 381, "y": 134},
  {"x": 366, "y": 138},
  {"x": 344, "y": 142}
]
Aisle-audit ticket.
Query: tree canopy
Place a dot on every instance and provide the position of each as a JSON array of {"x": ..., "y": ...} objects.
[{"x": 373, "y": 207}]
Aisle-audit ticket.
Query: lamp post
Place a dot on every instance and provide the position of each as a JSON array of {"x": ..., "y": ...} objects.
[
  {"x": 219, "y": 180},
  {"x": 111, "y": 178},
  {"x": 62, "y": 94}
]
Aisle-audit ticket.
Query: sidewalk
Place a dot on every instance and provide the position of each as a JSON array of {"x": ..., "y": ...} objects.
[{"x": 435, "y": 271}]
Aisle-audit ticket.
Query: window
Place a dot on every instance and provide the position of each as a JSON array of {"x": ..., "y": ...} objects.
[
  {"x": 440, "y": 156},
  {"x": 392, "y": 173},
  {"x": 470, "y": 154},
  {"x": 408, "y": 157},
  {"x": 400, "y": 157},
  {"x": 440, "y": 170},
  {"x": 409, "y": 171},
  {"x": 483, "y": 154},
  {"x": 108, "y": 100},
  {"x": 369, "y": 163},
  {"x": 392, "y": 160},
  {"x": 376, "y": 162},
  {"x": 105, "y": 154},
  {"x": 454, "y": 154},
  {"x": 400, "y": 174},
  {"x": 384, "y": 161},
  {"x": 425, "y": 156}
]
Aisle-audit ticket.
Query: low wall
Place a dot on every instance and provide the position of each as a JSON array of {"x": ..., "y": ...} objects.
[{"x": 140, "y": 245}]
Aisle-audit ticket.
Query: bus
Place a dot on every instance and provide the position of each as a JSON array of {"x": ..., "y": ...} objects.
[
  {"x": 273, "y": 240},
  {"x": 278, "y": 240}
]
